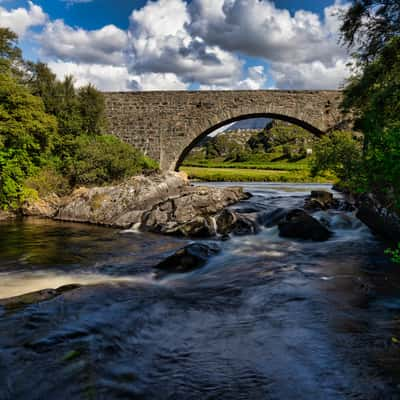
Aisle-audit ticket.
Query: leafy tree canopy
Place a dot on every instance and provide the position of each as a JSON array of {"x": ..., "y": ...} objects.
[{"x": 369, "y": 25}]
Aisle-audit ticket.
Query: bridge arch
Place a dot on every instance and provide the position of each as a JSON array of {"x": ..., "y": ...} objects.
[
  {"x": 166, "y": 124},
  {"x": 310, "y": 128}
]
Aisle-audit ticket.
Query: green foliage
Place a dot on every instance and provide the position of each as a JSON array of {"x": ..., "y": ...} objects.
[
  {"x": 104, "y": 158},
  {"x": 394, "y": 253},
  {"x": 10, "y": 54},
  {"x": 48, "y": 180},
  {"x": 340, "y": 153},
  {"x": 51, "y": 133},
  {"x": 374, "y": 95},
  {"x": 78, "y": 111},
  {"x": 369, "y": 25},
  {"x": 27, "y": 134},
  {"x": 280, "y": 140}
]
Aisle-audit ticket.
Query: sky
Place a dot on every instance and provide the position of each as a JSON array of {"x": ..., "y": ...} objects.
[{"x": 121, "y": 45}]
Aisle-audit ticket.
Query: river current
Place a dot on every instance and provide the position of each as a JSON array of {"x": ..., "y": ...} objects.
[{"x": 267, "y": 318}]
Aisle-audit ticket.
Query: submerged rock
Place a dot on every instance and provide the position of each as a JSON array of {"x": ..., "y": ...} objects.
[
  {"x": 19, "y": 302},
  {"x": 272, "y": 218},
  {"x": 299, "y": 224},
  {"x": 189, "y": 258}
]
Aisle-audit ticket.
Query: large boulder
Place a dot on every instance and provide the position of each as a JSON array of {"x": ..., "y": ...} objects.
[
  {"x": 192, "y": 213},
  {"x": 121, "y": 205},
  {"x": 189, "y": 258},
  {"x": 300, "y": 225},
  {"x": 379, "y": 218},
  {"x": 165, "y": 204}
]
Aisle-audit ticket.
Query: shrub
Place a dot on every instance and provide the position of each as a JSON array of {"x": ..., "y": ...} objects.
[
  {"x": 104, "y": 158},
  {"x": 394, "y": 253},
  {"x": 48, "y": 180},
  {"x": 340, "y": 153}
]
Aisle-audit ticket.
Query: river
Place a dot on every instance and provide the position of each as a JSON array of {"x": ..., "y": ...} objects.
[{"x": 267, "y": 318}]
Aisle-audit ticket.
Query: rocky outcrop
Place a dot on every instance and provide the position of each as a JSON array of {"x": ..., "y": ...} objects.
[
  {"x": 189, "y": 258},
  {"x": 7, "y": 216},
  {"x": 192, "y": 213},
  {"x": 44, "y": 208},
  {"x": 380, "y": 219},
  {"x": 165, "y": 204},
  {"x": 300, "y": 225}
]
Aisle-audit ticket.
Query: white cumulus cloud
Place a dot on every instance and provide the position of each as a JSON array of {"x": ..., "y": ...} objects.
[
  {"x": 102, "y": 46},
  {"x": 21, "y": 19}
]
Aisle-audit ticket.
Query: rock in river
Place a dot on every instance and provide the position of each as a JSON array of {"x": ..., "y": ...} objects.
[
  {"x": 379, "y": 218},
  {"x": 298, "y": 224},
  {"x": 189, "y": 258},
  {"x": 229, "y": 221},
  {"x": 320, "y": 200},
  {"x": 165, "y": 203}
]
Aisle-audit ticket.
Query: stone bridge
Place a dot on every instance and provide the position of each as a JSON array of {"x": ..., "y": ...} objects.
[{"x": 167, "y": 125}]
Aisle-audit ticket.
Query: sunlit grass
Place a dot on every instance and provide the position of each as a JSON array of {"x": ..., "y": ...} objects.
[{"x": 248, "y": 174}]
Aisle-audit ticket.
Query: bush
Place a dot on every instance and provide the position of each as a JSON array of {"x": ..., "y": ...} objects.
[
  {"x": 47, "y": 181},
  {"x": 102, "y": 159},
  {"x": 394, "y": 253},
  {"x": 341, "y": 154}
]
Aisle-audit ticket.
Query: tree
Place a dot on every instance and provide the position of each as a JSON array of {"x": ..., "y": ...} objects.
[
  {"x": 10, "y": 54},
  {"x": 369, "y": 25},
  {"x": 340, "y": 153},
  {"x": 26, "y": 138},
  {"x": 91, "y": 108}
]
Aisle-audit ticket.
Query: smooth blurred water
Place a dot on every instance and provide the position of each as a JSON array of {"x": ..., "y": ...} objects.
[{"x": 268, "y": 318}]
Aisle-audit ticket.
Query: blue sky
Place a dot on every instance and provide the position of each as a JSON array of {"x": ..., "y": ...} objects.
[{"x": 184, "y": 45}]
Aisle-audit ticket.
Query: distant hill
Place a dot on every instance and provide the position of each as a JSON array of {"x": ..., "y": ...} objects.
[{"x": 249, "y": 124}]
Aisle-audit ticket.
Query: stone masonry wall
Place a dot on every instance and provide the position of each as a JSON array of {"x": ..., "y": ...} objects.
[{"x": 164, "y": 125}]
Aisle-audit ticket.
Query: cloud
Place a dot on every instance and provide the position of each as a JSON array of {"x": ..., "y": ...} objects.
[
  {"x": 161, "y": 43},
  {"x": 71, "y": 2},
  {"x": 21, "y": 19},
  {"x": 154, "y": 81},
  {"x": 115, "y": 78},
  {"x": 256, "y": 79},
  {"x": 102, "y": 46},
  {"x": 258, "y": 28},
  {"x": 315, "y": 75},
  {"x": 172, "y": 44}
]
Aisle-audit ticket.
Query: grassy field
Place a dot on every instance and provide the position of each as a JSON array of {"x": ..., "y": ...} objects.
[
  {"x": 302, "y": 165},
  {"x": 247, "y": 174}
]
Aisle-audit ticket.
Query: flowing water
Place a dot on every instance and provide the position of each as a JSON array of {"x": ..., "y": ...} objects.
[{"x": 267, "y": 318}]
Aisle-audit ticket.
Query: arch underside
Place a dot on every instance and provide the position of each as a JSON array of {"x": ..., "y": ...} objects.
[{"x": 312, "y": 129}]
